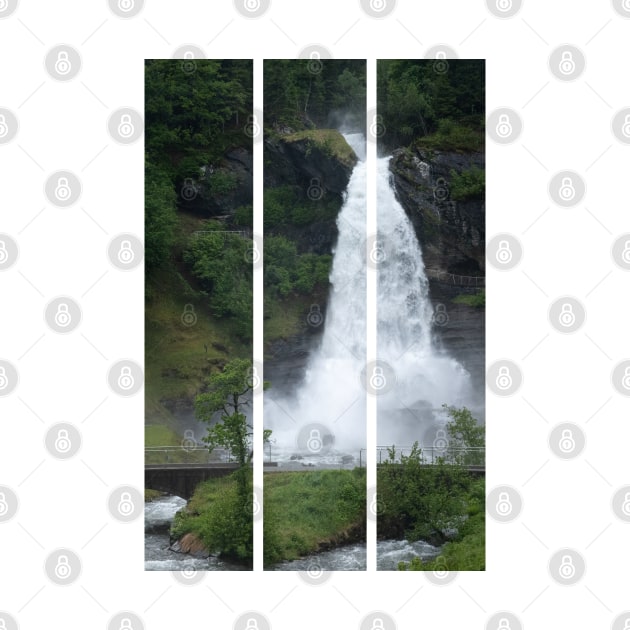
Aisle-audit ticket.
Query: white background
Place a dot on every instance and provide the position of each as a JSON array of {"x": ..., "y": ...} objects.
[{"x": 63, "y": 252}]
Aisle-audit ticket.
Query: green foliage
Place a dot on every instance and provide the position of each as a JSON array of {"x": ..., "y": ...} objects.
[
  {"x": 160, "y": 218},
  {"x": 469, "y": 184},
  {"x": 222, "y": 182},
  {"x": 465, "y": 553},
  {"x": 414, "y": 100},
  {"x": 227, "y": 393},
  {"x": 453, "y": 136},
  {"x": 418, "y": 501},
  {"x": 329, "y": 141},
  {"x": 243, "y": 216},
  {"x": 464, "y": 432},
  {"x": 220, "y": 518},
  {"x": 220, "y": 262},
  {"x": 304, "y": 509},
  {"x": 300, "y": 92},
  {"x": 287, "y": 272},
  {"x": 477, "y": 300}
]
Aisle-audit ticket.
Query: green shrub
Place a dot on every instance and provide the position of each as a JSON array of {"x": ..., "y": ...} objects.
[{"x": 469, "y": 184}]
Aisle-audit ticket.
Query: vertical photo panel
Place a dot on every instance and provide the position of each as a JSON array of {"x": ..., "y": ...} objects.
[
  {"x": 429, "y": 375},
  {"x": 314, "y": 315},
  {"x": 198, "y": 315}
]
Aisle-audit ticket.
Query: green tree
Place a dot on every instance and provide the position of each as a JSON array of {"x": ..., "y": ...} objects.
[
  {"x": 229, "y": 394},
  {"x": 464, "y": 432}
]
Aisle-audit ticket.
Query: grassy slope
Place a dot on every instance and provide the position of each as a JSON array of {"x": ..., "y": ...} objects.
[
  {"x": 305, "y": 510},
  {"x": 330, "y": 141}
]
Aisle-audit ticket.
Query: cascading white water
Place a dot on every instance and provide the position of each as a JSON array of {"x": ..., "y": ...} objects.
[
  {"x": 424, "y": 379},
  {"x": 331, "y": 396}
]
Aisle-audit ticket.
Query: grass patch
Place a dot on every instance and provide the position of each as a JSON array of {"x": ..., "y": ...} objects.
[
  {"x": 309, "y": 511},
  {"x": 451, "y": 136},
  {"x": 476, "y": 300},
  {"x": 151, "y": 495},
  {"x": 178, "y": 358},
  {"x": 160, "y": 435},
  {"x": 329, "y": 141}
]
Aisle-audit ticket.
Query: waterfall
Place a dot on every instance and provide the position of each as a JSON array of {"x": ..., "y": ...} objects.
[
  {"x": 423, "y": 378},
  {"x": 331, "y": 398}
]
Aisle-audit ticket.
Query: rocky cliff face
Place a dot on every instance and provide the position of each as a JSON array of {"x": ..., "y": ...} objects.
[
  {"x": 220, "y": 188},
  {"x": 451, "y": 233},
  {"x": 308, "y": 164}
]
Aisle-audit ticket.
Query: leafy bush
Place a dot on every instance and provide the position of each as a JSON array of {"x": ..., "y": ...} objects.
[
  {"x": 215, "y": 516},
  {"x": 220, "y": 261},
  {"x": 478, "y": 300},
  {"x": 469, "y": 184},
  {"x": 286, "y": 271}
]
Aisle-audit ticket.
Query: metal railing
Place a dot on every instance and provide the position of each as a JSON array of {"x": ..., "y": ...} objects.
[
  {"x": 454, "y": 279},
  {"x": 185, "y": 455},
  {"x": 431, "y": 455}
]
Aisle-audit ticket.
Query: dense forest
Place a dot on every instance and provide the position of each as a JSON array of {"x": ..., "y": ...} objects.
[
  {"x": 439, "y": 102},
  {"x": 303, "y": 94}
]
